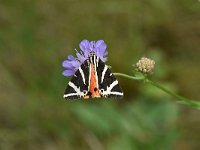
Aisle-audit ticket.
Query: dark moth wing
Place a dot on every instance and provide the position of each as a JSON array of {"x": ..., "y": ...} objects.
[
  {"x": 108, "y": 84},
  {"x": 78, "y": 83}
]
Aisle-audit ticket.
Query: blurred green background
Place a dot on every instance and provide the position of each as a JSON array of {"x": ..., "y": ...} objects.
[{"x": 37, "y": 35}]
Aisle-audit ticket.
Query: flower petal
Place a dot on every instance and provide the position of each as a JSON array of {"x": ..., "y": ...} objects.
[
  {"x": 104, "y": 59},
  {"x": 92, "y": 44},
  {"x": 68, "y": 72},
  {"x": 100, "y": 48},
  {"x": 67, "y": 64},
  {"x": 70, "y": 57},
  {"x": 76, "y": 64},
  {"x": 71, "y": 64},
  {"x": 101, "y": 45},
  {"x": 98, "y": 43},
  {"x": 84, "y": 45},
  {"x": 81, "y": 58}
]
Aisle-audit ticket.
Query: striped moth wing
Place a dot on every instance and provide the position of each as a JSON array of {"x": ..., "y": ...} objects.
[
  {"x": 93, "y": 79},
  {"x": 78, "y": 85}
]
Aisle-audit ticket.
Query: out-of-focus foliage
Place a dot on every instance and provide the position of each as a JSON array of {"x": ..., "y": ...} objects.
[{"x": 37, "y": 35}]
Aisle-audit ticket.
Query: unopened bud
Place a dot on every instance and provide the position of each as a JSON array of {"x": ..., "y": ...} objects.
[{"x": 145, "y": 65}]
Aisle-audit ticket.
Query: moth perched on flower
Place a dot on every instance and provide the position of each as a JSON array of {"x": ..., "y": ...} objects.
[{"x": 91, "y": 77}]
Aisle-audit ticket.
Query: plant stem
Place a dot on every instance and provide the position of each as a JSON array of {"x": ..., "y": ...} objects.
[
  {"x": 181, "y": 99},
  {"x": 128, "y": 76}
]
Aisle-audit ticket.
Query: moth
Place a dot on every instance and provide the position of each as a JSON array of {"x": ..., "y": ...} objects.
[{"x": 93, "y": 79}]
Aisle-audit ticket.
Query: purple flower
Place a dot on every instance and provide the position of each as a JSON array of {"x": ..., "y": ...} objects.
[{"x": 72, "y": 64}]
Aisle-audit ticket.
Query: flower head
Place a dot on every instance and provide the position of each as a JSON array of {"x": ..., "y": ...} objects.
[
  {"x": 145, "y": 65},
  {"x": 72, "y": 64}
]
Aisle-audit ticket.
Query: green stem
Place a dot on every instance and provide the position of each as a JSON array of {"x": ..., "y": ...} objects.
[
  {"x": 182, "y": 99},
  {"x": 128, "y": 76}
]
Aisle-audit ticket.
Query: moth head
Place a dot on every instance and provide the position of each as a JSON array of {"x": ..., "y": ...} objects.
[{"x": 92, "y": 53}]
